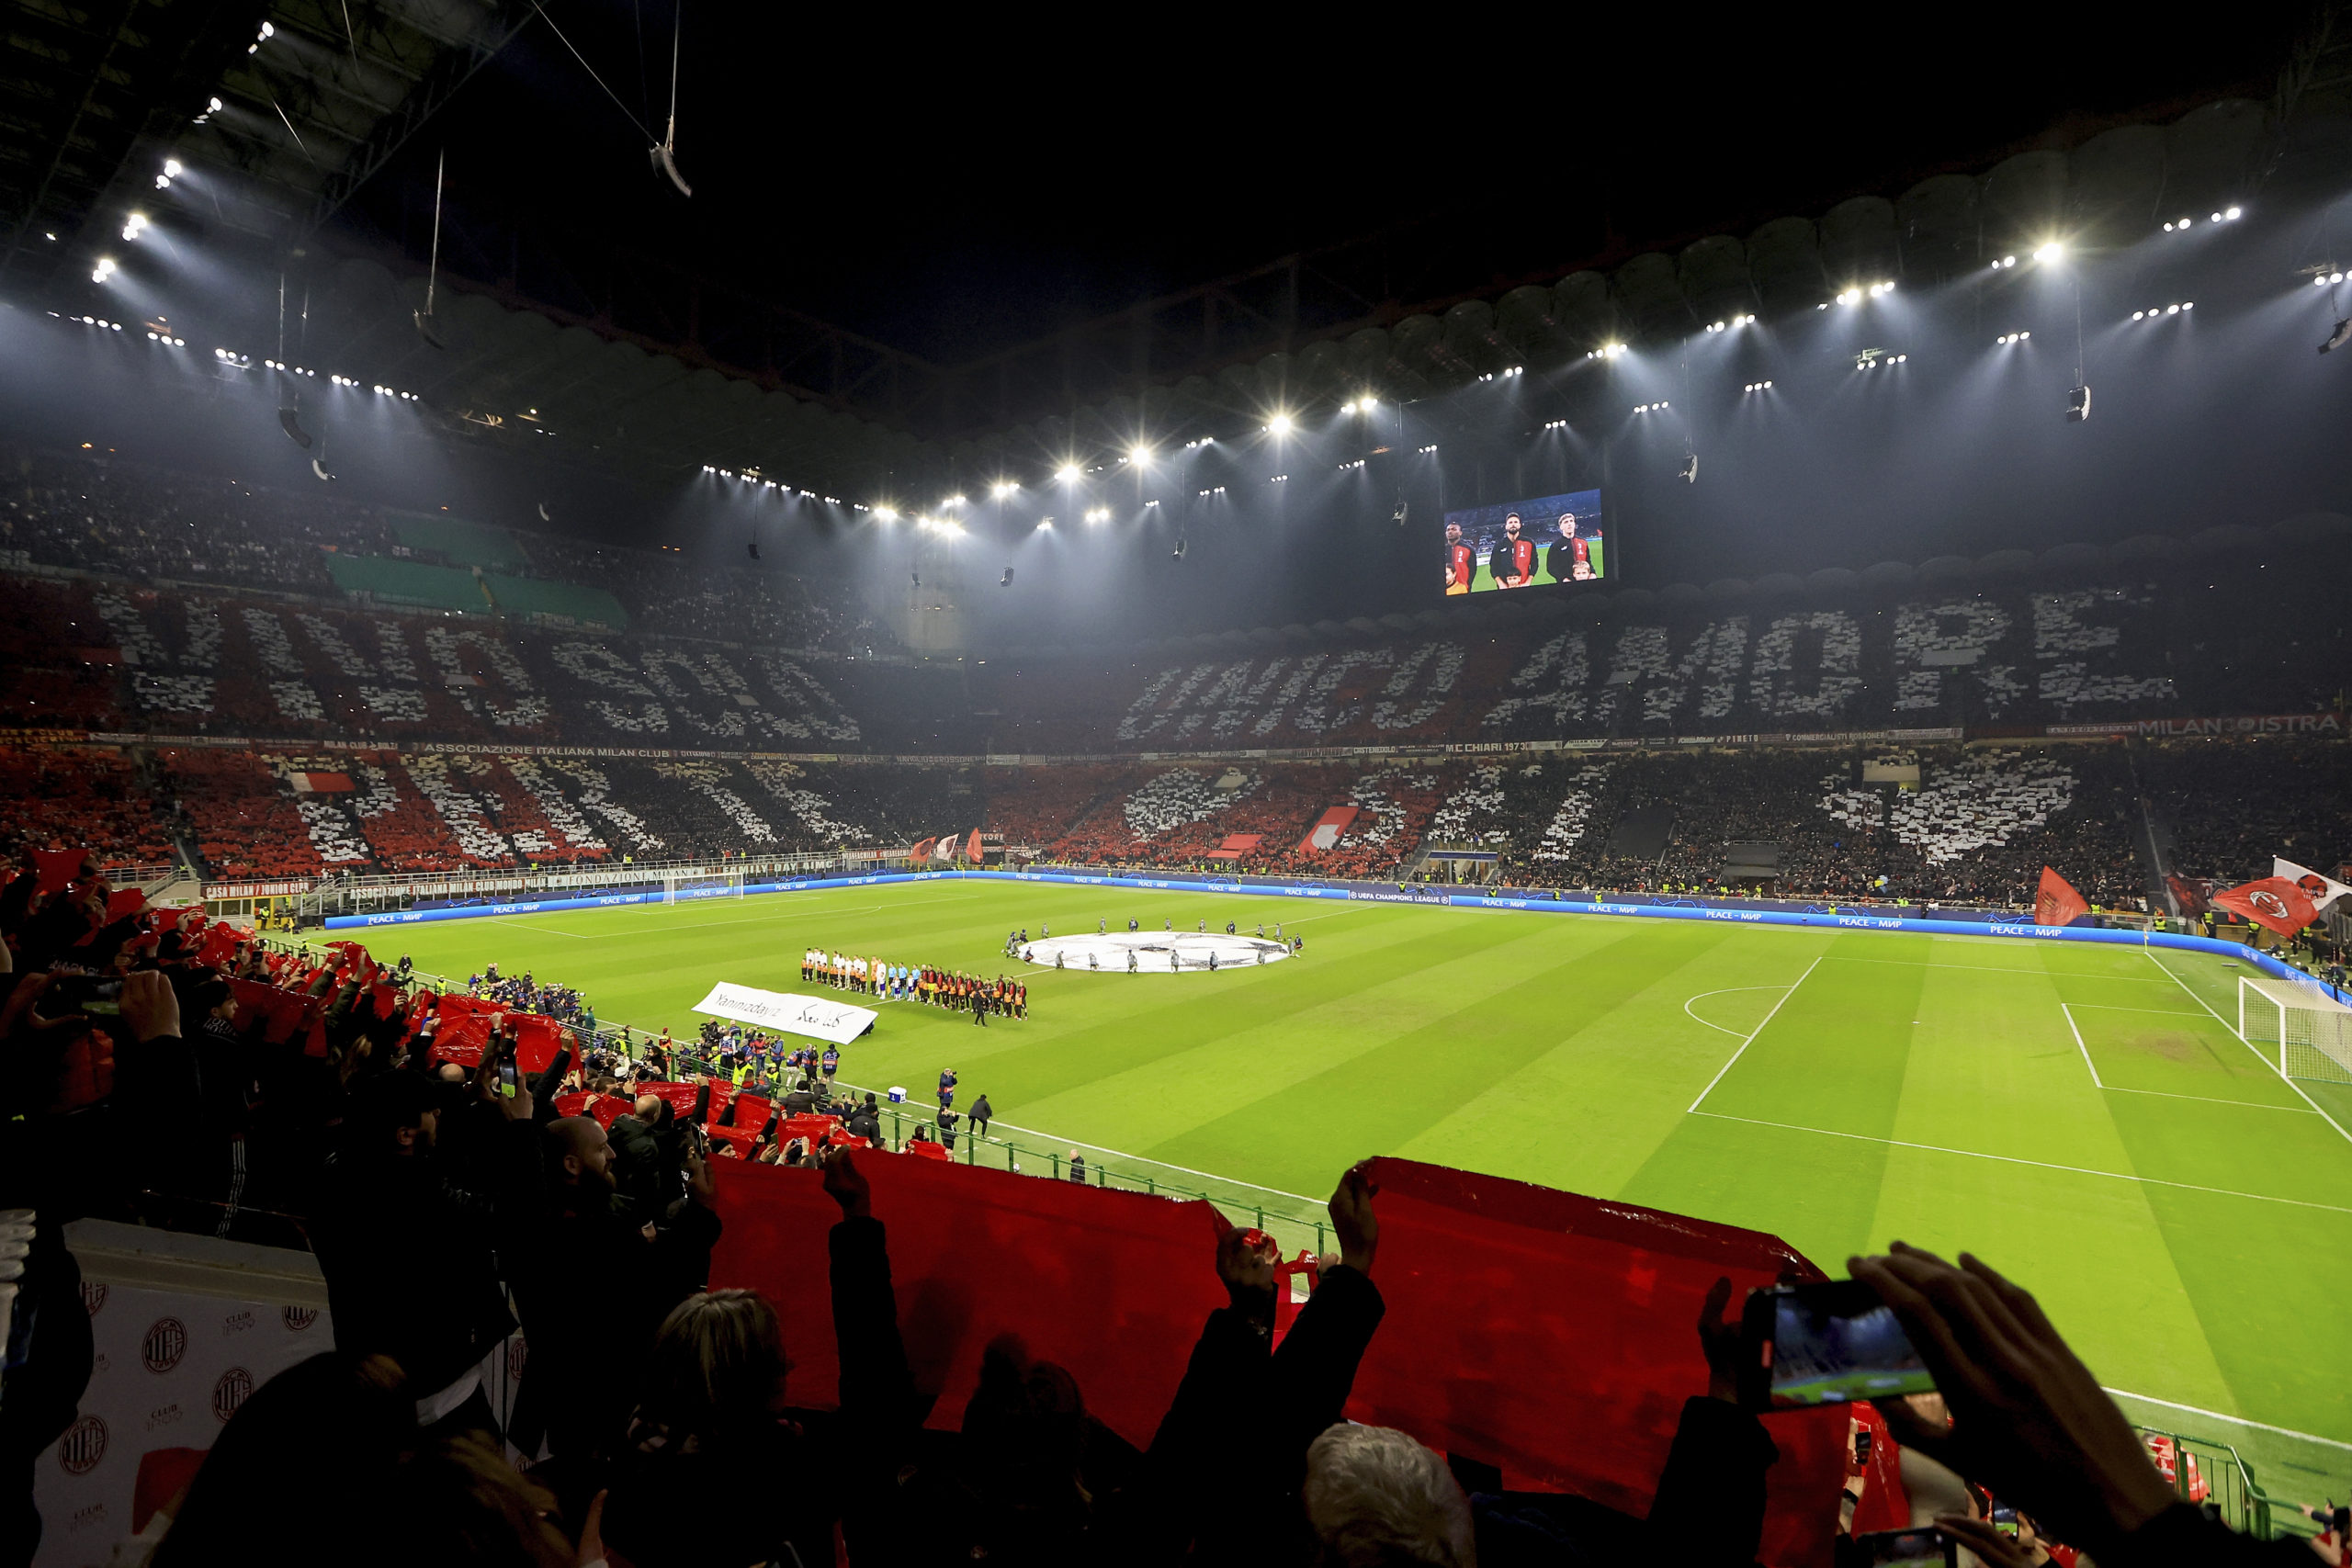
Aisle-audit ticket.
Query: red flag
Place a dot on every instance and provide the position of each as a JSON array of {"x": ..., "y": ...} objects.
[
  {"x": 2055, "y": 902},
  {"x": 2274, "y": 903},
  {"x": 124, "y": 901},
  {"x": 972, "y": 848},
  {"x": 923, "y": 850},
  {"x": 2191, "y": 902}
]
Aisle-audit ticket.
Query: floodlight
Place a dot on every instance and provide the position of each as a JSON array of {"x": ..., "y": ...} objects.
[
  {"x": 1138, "y": 455},
  {"x": 212, "y": 106},
  {"x": 1002, "y": 488},
  {"x": 953, "y": 501},
  {"x": 1068, "y": 473},
  {"x": 2049, "y": 251},
  {"x": 887, "y": 514},
  {"x": 1279, "y": 426}
]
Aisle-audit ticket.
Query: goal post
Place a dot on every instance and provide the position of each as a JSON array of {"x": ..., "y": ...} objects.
[
  {"x": 2305, "y": 1032},
  {"x": 684, "y": 888}
]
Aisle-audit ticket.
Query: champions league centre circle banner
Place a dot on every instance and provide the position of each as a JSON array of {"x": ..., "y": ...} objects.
[{"x": 1153, "y": 952}]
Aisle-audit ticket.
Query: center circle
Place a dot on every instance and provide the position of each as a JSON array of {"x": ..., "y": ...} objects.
[{"x": 1155, "y": 953}]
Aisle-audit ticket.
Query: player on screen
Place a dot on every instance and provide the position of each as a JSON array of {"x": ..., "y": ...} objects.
[
  {"x": 1460, "y": 561},
  {"x": 1513, "y": 562},
  {"x": 1571, "y": 558}
]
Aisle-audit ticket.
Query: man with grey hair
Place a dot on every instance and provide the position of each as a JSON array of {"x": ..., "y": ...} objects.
[{"x": 1377, "y": 1499}]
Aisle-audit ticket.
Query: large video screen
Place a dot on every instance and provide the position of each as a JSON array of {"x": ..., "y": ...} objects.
[{"x": 1541, "y": 543}]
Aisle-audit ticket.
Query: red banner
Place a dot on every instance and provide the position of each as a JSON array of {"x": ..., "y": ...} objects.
[
  {"x": 1554, "y": 1336},
  {"x": 2055, "y": 902},
  {"x": 1112, "y": 1286},
  {"x": 59, "y": 868}
]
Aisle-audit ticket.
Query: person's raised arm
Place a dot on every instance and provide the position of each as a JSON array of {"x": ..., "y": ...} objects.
[
  {"x": 1315, "y": 1365},
  {"x": 1709, "y": 1506},
  {"x": 2031, "y": 1421}
]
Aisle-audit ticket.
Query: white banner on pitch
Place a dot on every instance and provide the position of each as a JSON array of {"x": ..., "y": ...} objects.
[{"x": 811, "y": 1016}]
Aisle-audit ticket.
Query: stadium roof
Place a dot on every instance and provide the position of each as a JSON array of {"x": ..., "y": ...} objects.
[{"x": 634, "y": 340}]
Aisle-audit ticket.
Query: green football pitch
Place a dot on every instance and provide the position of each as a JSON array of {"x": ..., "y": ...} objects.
[{"x": 2080, "y": 1116}]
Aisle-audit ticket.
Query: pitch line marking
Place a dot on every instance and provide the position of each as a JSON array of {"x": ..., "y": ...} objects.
[
  {"x": 2085, "y": 1050},
  {"x": 2038, "y": 1164},
  {"x": 1992, "y": 968},
  {"x": 2242, "y": 1039},
  {"x": 2067, "y": 1007},
  {"x": 2234, "y": 1421},
  {"x": 914, "y": 1111},
  {"x": 1744, "y": 1045},
  {"x": 1726, "y": 991},
  {"x": 2118, "y": 1007}
]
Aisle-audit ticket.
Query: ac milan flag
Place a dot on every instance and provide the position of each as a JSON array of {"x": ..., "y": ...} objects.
[
  {"x": 923, "y": 850},
  {"x": 2320, "y": 889},
  {"x": 2274, "y": 903},
  {"x": 972, "y": 848},
  {"x": 2055, "y": 902}
]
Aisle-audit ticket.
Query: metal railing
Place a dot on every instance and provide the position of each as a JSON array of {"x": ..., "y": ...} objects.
[
  {"x": 380, "y": 893},
  {"x": 2213, "y": 1475}
]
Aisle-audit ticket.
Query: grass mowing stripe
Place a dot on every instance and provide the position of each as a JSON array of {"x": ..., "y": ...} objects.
[{"x": 2015, "y": 1160}]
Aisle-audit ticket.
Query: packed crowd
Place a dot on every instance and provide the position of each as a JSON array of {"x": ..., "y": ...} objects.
[{"x": 130, "y": 519}]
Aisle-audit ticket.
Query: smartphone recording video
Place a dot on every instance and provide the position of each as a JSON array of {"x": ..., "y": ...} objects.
[
  {"x": 1905, "y": 1548},
  {"x": 1825, "y": 1344},
  {"x": 509, "y": 1077}
]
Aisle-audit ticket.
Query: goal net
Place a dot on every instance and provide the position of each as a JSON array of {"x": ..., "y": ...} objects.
[
  {"x": 2307, "y": 1034},
  {"x": 687, "y": 887}
]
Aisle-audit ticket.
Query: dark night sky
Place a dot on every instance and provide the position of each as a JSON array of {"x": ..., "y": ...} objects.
[{"x": 954, "y": 188}]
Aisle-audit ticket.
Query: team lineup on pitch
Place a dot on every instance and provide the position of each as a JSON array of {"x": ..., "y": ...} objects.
[{"x": 2086, "y": 1113}]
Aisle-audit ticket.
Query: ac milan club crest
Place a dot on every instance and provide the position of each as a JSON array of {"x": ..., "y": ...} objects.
[
  {"x": 299, "y": 1318},
  {"x": 83, "y": 1446},
  {"x": 165, "y": 1343},
  {"x": 229, "y": 1393},
  {"x": 94, "y": 1297}
]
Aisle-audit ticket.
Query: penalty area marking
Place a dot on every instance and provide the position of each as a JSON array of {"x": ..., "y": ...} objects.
[
  {"x": 1744, "y": 1045},
  {"x": 2096, "y": 1082},
  {"x": 2036, "y": 1164},
  {"x": 2242, "y": 1039}
]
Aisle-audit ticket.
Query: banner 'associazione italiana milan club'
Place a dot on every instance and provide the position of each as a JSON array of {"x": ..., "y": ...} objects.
[{"x": 168, "y": 1369}]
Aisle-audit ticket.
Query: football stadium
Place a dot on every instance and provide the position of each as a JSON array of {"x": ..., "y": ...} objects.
[{"x": 1645, "y": 857}]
